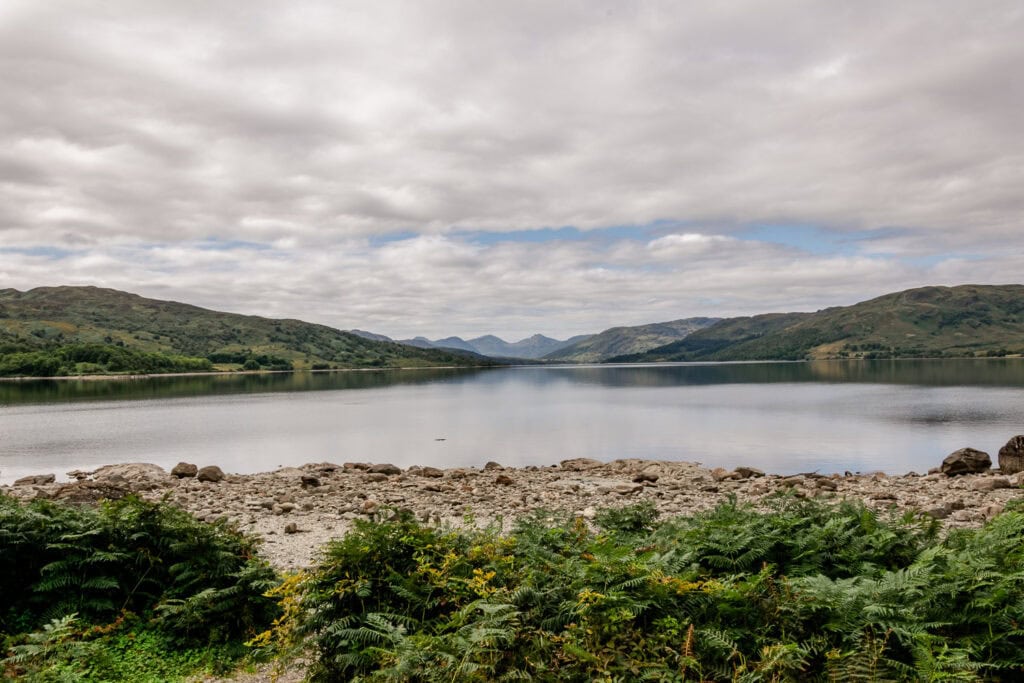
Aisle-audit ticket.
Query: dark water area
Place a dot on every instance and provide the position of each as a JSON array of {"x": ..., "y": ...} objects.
[{"x": 828, "y": 416}]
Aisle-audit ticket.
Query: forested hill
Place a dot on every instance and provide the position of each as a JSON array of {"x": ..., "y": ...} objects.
[
  {"x": 963, "y": 321},
  {"x": 83, "y": 330}
]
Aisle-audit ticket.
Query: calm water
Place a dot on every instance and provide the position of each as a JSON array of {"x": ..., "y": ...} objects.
[{"x": 894, "y": 416}]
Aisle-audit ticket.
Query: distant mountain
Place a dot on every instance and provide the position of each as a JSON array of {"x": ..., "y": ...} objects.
[
  {"x": 628, "y": 340},
  {"x": 47, "y": 321},
  {"x": 495, "y": 347},
  {"x": 370, "y": 335},
  {"x": 968, "y": 320}
]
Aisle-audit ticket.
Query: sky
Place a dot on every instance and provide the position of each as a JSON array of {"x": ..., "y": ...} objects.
[{"x": 465, "y": 168}]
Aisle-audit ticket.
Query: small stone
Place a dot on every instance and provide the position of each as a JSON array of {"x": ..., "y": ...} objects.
[
  {"x": 588, "y": 513},
  {"x": 309, "y": 481},
  {"x": 376, "y": 477},
  {"x": 369, "y": 507},
  {"x": 288, "y": 507},
  {"x": 503, "y": 480},
  {"x": 184, "y": 470},
  {"x": 291, "y": 528},
  {"x": 210, "y": 473}
]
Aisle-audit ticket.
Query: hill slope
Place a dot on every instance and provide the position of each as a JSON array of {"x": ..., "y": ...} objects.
[
  {"x": 47, "y": 319},
  {"x": 628, "y": 340},
  {"x": 968, "y": 320}
]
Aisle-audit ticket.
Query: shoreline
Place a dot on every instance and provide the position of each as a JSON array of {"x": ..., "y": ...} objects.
[
  {"x": 236, "y": 373},
  {"x": 296, "y": 510}
]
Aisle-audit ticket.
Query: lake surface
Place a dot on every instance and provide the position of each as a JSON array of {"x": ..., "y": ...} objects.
[{"x": 894, "y": 416}]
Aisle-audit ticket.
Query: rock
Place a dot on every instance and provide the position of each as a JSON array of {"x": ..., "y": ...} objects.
[
  {"x": 1011, "y": 456},
  {"x": 362, "y": 466},
  {"x": 990, "y": 484},
  {"x": 210, "y": 473},
  {"x": 431, "y": 472},
  {"x": 385, "y": 468},
  {"x": 141, "y": 475},
  {"x": 36, "y": 480},
  {"x": 621, "y": 489},
  {"x": 939, "y": 512},
  {"x": 491, "y": 465},
  {"x": 646, "y": 475},
  {"x": 369, "y": 507},
  {"x": 721, "y": 474},
  {"x": 826, "y": 484},
  {"x": 376, "y": 477},
  {"x": 309, "y": 481},
  {"x": 321, "y": 467},
  {"x": 184, "y": 469},
  {"x": 588, "y": 513},
  {"x": 580, "y": 464},
  {"x": 503, "y": 480},
  {"x": 966, "y": 461},
  {"x": 748, "y": 472},
  {"x": 291, "y": 528},
  {"x": 79, "y": 474},
  {"x": 91, "y": 491}
]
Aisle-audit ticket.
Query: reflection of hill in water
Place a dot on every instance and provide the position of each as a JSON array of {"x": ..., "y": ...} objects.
[
  {"x": 953, "y": 372},
  {"x": 38, "y": 391},
  {"x": 1007, "y": 372}
]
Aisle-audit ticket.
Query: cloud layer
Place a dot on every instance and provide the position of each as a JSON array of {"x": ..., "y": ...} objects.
[{"x": 383, "y": 165}]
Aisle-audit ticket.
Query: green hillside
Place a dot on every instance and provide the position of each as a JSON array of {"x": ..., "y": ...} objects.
[
  {"x": 624, "y": 340},
  {"x": 963, "y": 321},
  {"x": 85, "y": 330}
]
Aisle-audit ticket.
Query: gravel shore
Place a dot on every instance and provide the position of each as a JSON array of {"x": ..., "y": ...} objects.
[{"x": 296, "y": 510}]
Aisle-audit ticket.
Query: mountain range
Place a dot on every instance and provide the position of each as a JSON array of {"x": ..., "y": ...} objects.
[
  {"x": 49, "y": 320},
  {"x": 962, "y": 321},
  {"x": 531, "y": 348}
]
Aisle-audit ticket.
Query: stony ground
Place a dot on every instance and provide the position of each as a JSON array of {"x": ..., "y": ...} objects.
[{"x": 296, "y": 510}]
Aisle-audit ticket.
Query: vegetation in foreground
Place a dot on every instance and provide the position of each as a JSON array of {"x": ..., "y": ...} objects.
[
  {"x": 806, "y": 590},
  {"x": 128, "y": 591}
]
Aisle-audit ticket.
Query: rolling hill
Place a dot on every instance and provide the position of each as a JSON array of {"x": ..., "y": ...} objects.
[
  {"x": 93, "y": 322},
  {"x": 962, "y": 321},
  {"x": 628, "y": 340},
  {"x": 489, "y": 345}
]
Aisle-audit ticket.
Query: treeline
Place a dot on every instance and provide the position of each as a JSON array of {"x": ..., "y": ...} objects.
[{"x": 86, "y": 359}]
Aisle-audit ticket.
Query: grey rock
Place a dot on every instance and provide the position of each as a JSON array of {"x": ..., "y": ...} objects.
[
  {"x": 990, "y": 484},
  {"x": 376, "y": 477},
  {"x": 431, "y": 472},
  {"x": 966, "y": 461},
  {"x": 36, "y": 480},
  {"x": 184, "y": 470},
  {"x": 748, "y": 472},
  {"x": 580, "y": 464},
  {"x": 385, "y": 468},
  {"x": 210, "y": 473},
  {"x": 91, "y": 491},
  {"x": 291, "y": 528},
  {"x": 309, "y": 481},
  {"x": 491, "y": 465},
  {"x": 1011, "y": 456},
  {"x": 503, "y": 480},
  {"x": 645, "y": 476}
]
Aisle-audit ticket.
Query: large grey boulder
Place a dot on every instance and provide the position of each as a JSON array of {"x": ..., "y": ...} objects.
[
  {"x": 184, "y": 470},
  {"x": 966, "y": 461},
  {"x": 210, "y": 473},
  {"x": 385, "y": 468},
  {"x": 1011, "y": 456}
]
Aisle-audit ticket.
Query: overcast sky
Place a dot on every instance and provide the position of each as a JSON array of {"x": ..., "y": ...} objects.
[{"x": 435, "y": 168}]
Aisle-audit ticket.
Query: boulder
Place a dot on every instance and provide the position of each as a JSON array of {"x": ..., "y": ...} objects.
[
  {"x": 91, "y": 491},
  {"x": 1011, "y": 456},
  {"x": 647, "y": 475},
  {"x": 748, "y": 472},
  {"x": 210, "y": 473},
  {"x": 140, "y": 476},
  {"x": 385, "y": 468},
  {"x": 491, "y": 465},
  {"x": 309, "y": 481},
  {"x": 431, "y": 472},
  {"x": 966, "y": 461},
  {"x": 580, "y": 464},
  {"x": 985, "y": 484},
  {"x": 503, "y": 480},
  {"x": 36, "y": 480},
  {"x": 184, "y": 470}
]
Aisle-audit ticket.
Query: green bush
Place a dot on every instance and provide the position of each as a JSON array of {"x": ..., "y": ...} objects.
[
  {"x": 193, "y": 583},
  {"x": 801, "y": 591}
]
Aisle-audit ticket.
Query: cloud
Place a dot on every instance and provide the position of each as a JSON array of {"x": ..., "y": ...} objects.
[{"x": 360, "y": 143}]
